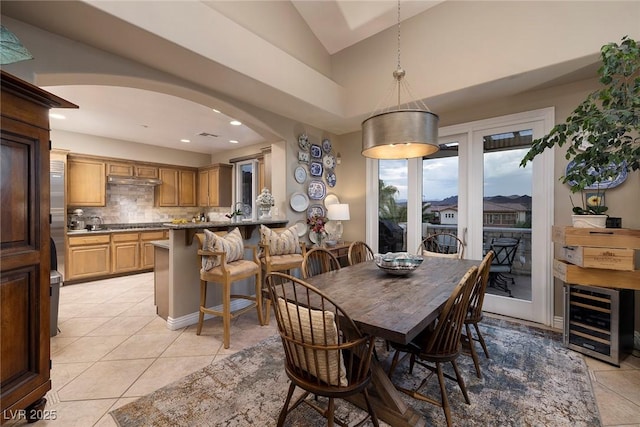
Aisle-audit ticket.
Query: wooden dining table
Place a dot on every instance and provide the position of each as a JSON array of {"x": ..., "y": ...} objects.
[{"x": 394, "y": 308}]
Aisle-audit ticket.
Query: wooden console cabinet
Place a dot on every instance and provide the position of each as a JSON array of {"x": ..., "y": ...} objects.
[
  {"x": 25, "y": 265},
  {"x": 599, "y": 268}
]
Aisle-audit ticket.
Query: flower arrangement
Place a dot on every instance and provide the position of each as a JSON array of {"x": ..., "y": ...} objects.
[
  {"x": 265, "y": 198},
  {"x": 317, "y": 223},
  {"x": 593, "y": 204}
]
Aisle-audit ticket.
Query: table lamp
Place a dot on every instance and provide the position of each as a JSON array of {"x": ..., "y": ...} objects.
[{"x": 338, "y": 212}]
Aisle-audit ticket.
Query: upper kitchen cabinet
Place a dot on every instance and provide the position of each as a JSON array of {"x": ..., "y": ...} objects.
[
  {"x": 86, "y": 182},
  {"x": 178, "y": 187},
  {"x": 214, "y": 185},
  {"x": 131, "y": 169}
]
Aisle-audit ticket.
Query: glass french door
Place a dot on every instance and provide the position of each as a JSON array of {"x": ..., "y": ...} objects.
[{"x": 474, "y": 187}]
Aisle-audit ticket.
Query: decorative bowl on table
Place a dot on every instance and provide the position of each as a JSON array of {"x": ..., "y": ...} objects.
[{"x": 399, "y": 263}]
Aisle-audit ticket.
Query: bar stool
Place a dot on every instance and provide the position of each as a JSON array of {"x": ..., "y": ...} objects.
[{"x": 223, "y": 267}]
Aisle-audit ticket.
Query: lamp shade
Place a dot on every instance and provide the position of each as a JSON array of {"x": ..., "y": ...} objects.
[
  {"x": 400, "y": 134},
  {"x": 338, "y": 212}
]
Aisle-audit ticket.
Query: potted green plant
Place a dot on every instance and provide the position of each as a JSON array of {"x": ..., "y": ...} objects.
[{"x": 603, "y": 132}]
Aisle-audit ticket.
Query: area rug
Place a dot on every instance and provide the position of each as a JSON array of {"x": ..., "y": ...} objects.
[{"x": 531, "y": 379}]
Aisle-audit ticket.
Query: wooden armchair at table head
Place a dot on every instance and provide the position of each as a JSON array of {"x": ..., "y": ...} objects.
[
  {"x": 325, "y": 352},
  {"x": 446, "y": 245},
  {"x": 317, "y": 261},
  {"x": 222, "y": 262},
  {"x": 280, "y": 251}
]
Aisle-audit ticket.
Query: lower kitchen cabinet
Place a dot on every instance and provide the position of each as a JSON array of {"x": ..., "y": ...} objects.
[
  {"x": 88, "y": 256},
  {"x": 97, "y": 256},
  {"x": 147, "y": 248},
  {"x": 125, "y": 250}
]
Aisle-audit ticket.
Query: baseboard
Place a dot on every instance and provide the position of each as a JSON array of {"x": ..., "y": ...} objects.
[
  {"x": 192, "y": 318},
  {"x": 558, "y": 322}
]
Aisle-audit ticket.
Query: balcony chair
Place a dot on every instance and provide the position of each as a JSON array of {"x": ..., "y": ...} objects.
[
  {"x": 445, "y": 245},
  {"x": 325, "y": 352},
  {"x": 280, "y": 251},
  {"x": 359, "y": 252},
  {"x": 440, "y": 342},
  {"x": 317, "y": 261},
  {"x": 222, "y": 262},
  {"x": 505, "y": 250},
  {"x": 474, "y": 315}
]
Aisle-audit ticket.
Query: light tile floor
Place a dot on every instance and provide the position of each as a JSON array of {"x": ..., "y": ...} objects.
[{"x": 112, "y": 348}]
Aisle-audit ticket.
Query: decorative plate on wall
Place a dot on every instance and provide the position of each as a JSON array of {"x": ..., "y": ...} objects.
[
  {"x": 299, "y": 202},
  {"x": 303, "y": 142},
  {"x": 300, "y": 174},
  {"x": 315, "y": 169},
  {"x": 315, "y": 210},
  {"x": 331, "y": 199},
  {"x": 301, "y": 228},
  {"x": 303, "y": 156},
  {"x": 329, "y": 161},
  {"x": 316, "y": 151},
  {"x": 331, "y": 179},
  {"x": 602, "y": 185},
  {"x": 326, "y": 145},
  {"x": 316, "y": 190}
]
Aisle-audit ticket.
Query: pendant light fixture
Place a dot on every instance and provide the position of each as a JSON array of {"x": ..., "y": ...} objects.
[{"x": 400, "y": 133}]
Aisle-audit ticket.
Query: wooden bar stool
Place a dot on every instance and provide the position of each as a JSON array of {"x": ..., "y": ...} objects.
[{"x": 223, "y": 266}]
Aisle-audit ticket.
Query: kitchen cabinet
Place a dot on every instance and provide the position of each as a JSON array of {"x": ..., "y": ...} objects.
[
  {"x": 131, "y": 169},
  {"x": 25, "y": 266},
  {"x": 147, "y": 248},
  {"x": 88, "y": 257},
  {"x": 214, "y": 185},
  {"x": 86, "y": 182},
  {"x": 125, "y": 252},
  {"x": 178, "y": 187}
]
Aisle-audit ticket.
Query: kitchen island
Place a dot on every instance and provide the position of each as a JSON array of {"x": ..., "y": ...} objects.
[{"x": 177, "y": 287}]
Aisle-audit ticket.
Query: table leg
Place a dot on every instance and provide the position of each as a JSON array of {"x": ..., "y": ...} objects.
[{"x": 387, "y": 401}]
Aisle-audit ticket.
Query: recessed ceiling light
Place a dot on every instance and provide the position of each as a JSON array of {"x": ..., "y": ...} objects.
[
  {"x": 233, "y": 141},
  {"x": 215, "y": 111},
  {"x": 235, "y": 123},
  {"x": 185, "y": 140},
  {"x": 57, "y": 116}
]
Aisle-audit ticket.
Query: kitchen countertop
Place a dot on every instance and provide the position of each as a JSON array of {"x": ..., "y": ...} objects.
[
  {"x": 121, "y": 228},
  {"x": 197, "y": 225}
]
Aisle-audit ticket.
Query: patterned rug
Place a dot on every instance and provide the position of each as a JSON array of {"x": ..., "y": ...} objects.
[{"x": 530, "y": 380}]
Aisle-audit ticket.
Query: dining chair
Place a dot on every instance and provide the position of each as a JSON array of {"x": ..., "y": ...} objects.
[
  {"x": 474, "y": 315},
  {"x": 222, "y": 262},
  {"x": 325, "y": 352},
  {"x": 280, "y": 251},
  {"x": 439, "y": 343},
  {"x": 317, "y": 261},
  {"x": 445, "y": 245},
  {"x": 359, "y": 252},
  {"x": 505, "y": 249}
]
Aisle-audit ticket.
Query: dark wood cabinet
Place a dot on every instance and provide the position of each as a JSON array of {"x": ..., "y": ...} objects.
[{"x": 24, "y": 245}]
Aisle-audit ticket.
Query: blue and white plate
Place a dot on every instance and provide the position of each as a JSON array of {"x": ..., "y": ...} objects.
[
  {"x": 326, "y": 145},
  {"x": 316, "y": 151},
  {"x": 331, "y": 179},
  {"x": 316, "y": 190},
  {"x": 317, "y": 210},
  {"x": 602, "y": 185},
  {"x": 315, "y": 169}
]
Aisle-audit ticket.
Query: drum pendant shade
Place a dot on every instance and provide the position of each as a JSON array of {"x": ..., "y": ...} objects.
[{"x": 400, "y": 134}]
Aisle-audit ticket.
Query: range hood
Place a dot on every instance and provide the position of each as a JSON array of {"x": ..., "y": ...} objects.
[{"x": 133, "y": 180}]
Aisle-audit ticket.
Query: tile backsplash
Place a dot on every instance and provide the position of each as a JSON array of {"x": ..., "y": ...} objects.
[{"x": 134, "y": 204}]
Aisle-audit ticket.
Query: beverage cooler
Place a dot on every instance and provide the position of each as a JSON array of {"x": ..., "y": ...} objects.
[{"x": 599, "y": 321}]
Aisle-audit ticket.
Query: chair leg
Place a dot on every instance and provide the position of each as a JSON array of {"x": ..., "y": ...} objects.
[
  {"x": 285, "y": 408},
  {"x": 203, "y": 302},
  {"x": 472, "y": 348},
  {"x": 372, "y": 413},
  {"x": 226, "y": 314},
  {"x": 443, "y": 394},
  {"x": 481, "y": 339},
  {"x": 460, "y": 380},
  {"x": 330, "y": 413},
  {"x": 259, "y": 299}
]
